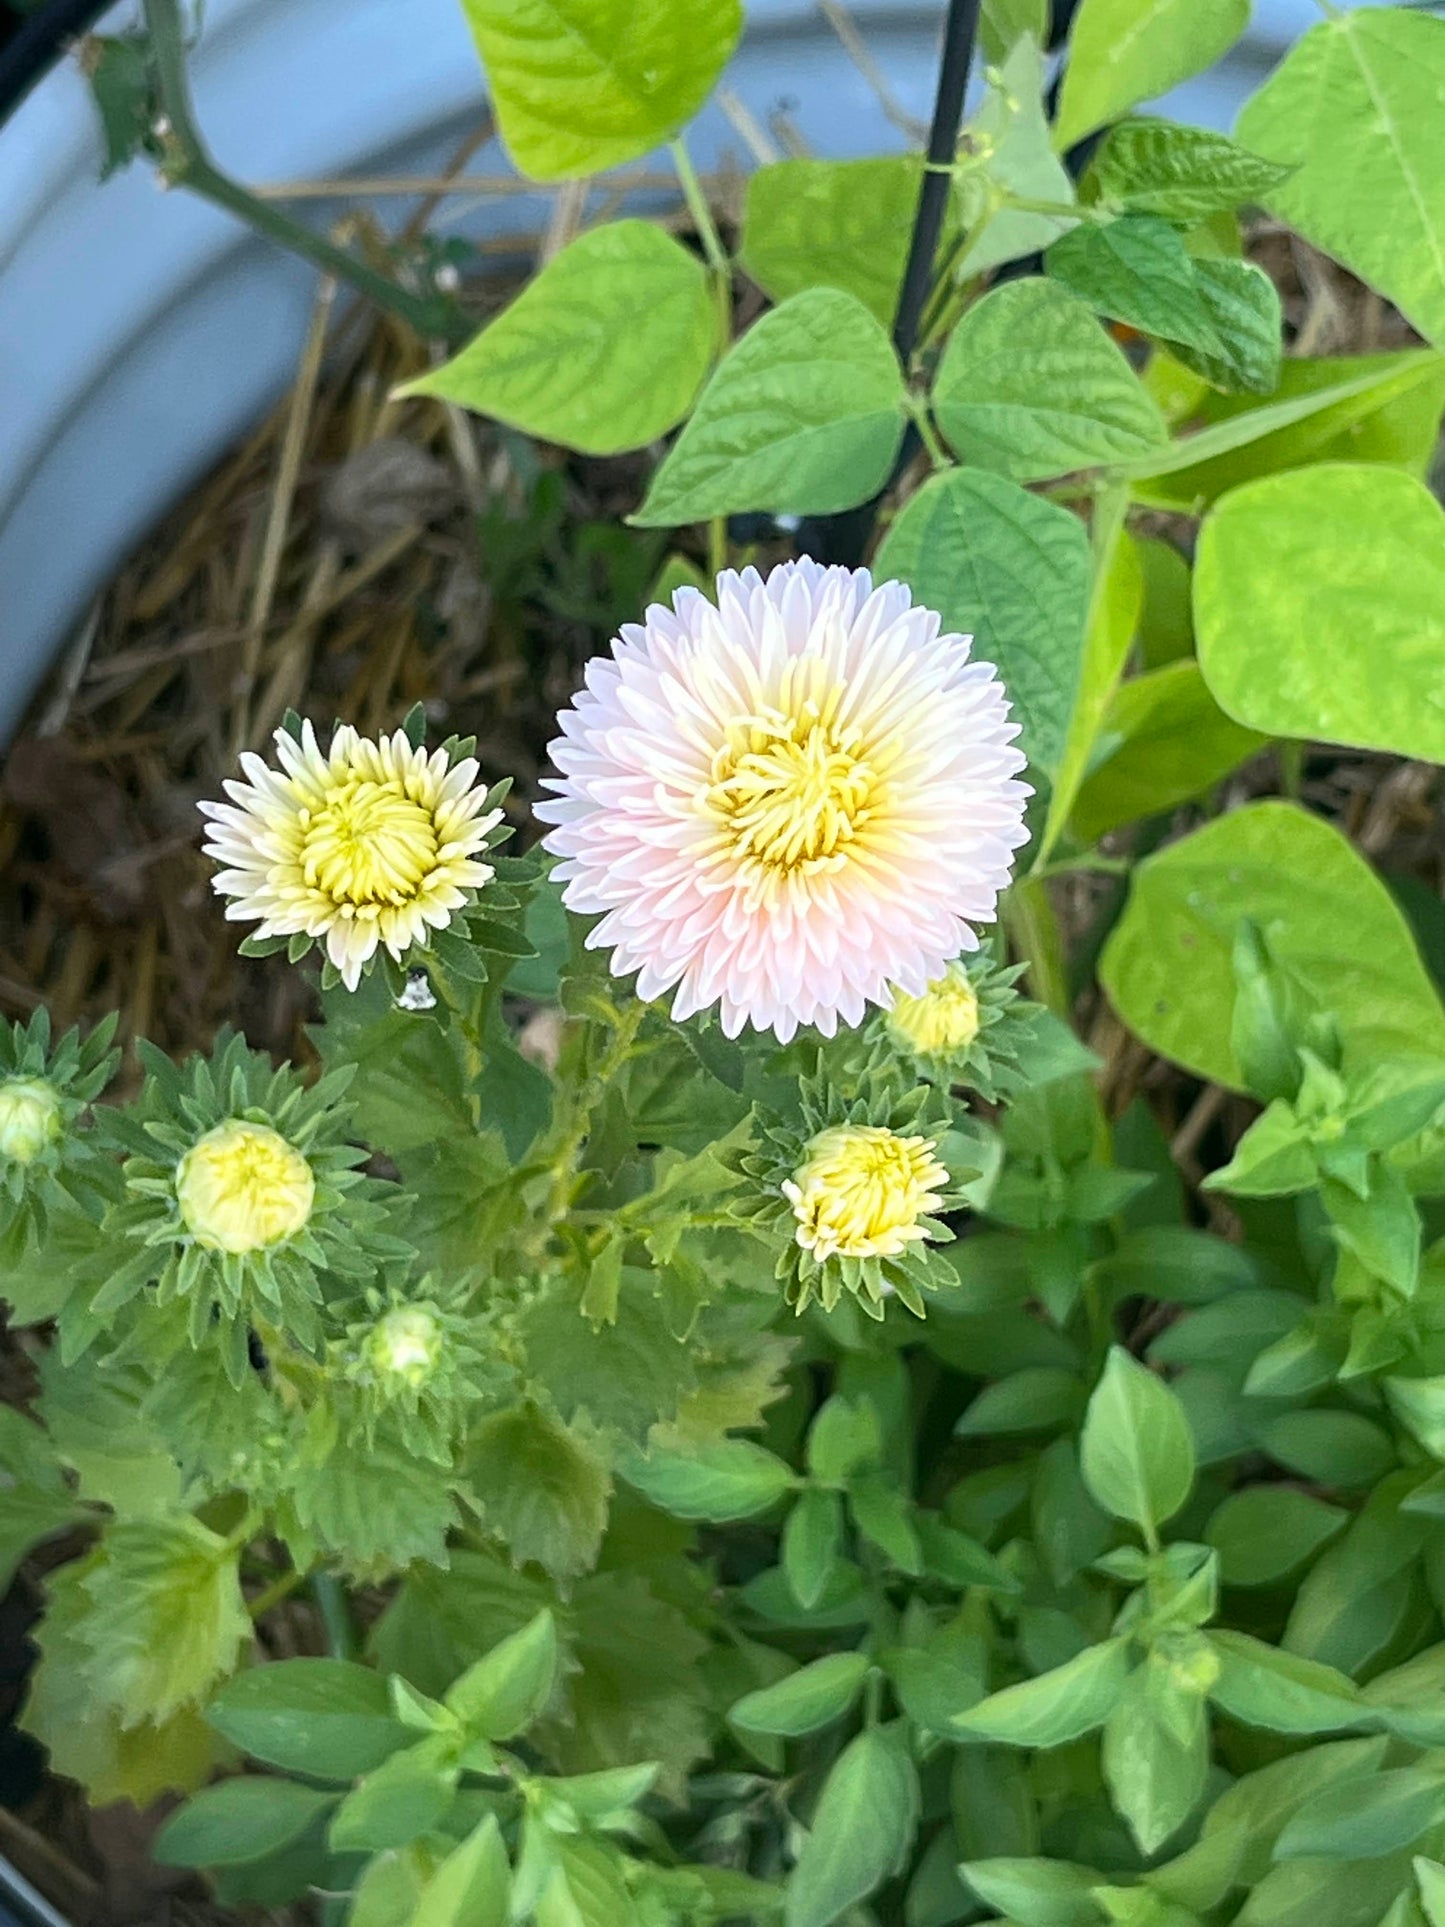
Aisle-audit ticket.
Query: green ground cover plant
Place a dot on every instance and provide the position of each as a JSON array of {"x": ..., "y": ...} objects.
[{"x": 784, "y": 1448}]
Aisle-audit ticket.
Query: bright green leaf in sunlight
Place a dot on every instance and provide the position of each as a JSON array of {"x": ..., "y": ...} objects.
[
  {"x": 1001, "y": 23},
  {"x": 803, "y": 417},
  {"x": 1012, "y": 571},
  {"x": 833, "y": 224},
  {"x": 603, "y": 351},
  {"x": 1319, "y": 605},
  {"x": 1125, "y": 51},
  {"x": 1168, "y": 966},
  {"x": 1164, "y": 739},
  {"x": 1011, "y": 154},
  {"x": 582, "y": 85},
  {"x": 1355, "y": 408},
  {"x": 1355, "y": 109},
  {"x": 1030, "y": 385}
]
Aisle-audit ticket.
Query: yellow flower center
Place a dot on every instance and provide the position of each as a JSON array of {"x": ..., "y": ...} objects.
[
  {"x": 242, "y": 1187},
  {"x": 367, "y": 845},
  {"x": 792, "y": 784},
  {"x": 862, "y": 1190},
  {"x": 405, "y": 1344},
  {"x": 944, "y": 1019},
  {"x": 29, "y": 1118}
]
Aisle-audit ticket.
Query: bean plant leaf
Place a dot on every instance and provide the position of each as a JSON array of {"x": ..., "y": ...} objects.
[
  {"x": 1356, "y": 408},
  {"x": 1163, "y": 739},
  {"x": 1136, "y": 270},
  {"x": 1009, "y": 152},
  {"x": 1374, "y": 200},
  {"x": 803, "y": 417},
  {"x": 1168, "y": 966},
  {"x": 1011, "y": 570},
  {"x": 583, "y": 85},
  {"x": 1243, "y": 306},
  {"x": 1031, "y": 386},
  {"x": 832, "y": 224},
  {"x": 1319, "y": 604},
  {"x": 603, "y": 351},
  {"x": 1147, "y": 166},
  {"x": 1136, "y": 1450},
  {"x": 1002, "y": 23},
  {"x": 1125, "y": 51}
]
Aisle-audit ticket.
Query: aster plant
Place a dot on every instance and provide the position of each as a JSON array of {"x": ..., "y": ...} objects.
[{"x": 855, "y": 1336}]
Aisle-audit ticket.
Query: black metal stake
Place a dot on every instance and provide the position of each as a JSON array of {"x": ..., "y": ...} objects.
[{"x": 844, "y": 538}]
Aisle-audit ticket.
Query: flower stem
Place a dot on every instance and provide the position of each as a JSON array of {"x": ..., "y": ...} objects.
[{"x": 187, "y": 162}]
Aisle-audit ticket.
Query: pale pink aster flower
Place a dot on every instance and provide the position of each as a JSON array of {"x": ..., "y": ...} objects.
[{"x": 787, "y": 805}]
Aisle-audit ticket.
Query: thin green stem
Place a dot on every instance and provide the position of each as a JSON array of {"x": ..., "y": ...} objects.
[
  {"x": 712, "y": 247},
  {"x": 927, "y": 433},
  {"x": 273, "y": 1594},
  {"x": 579, "y": 1124},
  {"x": 187, "y": 162}
]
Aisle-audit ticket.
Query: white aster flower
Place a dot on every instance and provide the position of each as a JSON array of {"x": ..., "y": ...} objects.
[
  {"x": 370, "y": 845},
  {"x": 864, "y": 1192},
  {"x": 789, "y": 804}
]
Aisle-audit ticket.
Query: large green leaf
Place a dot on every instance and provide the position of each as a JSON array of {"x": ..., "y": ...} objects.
[
  {"x": 581, "y": 85},
  {"x": 1031, "y": 386},
  {"x": 1011, "y": 570},
  {"x": 1125, "y": 51},
  {"x": 732, "y": 1479},
  {"x": 801, "y": 1702},
  {"x": 1355, "y": 109},
  {"x": 1137, "y": 270},
  {"x": 803, "y": 417},
  {"x": 1319, "y": 605},
  {"x": 603, "y": 351},
  {"x": 832, "y": 224},
  {"x": 1168, "y": 965},
  {"x": 1164, "y": 739}
]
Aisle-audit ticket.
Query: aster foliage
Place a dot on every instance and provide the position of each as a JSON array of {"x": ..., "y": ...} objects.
[
  {"x": 46, "y": 1092},
  {"x": 243, "y": 1198},
  {"x": 554, "y": 1355}
]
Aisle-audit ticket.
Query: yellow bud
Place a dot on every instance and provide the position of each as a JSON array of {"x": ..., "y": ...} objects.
[
  {"x": 862, "y": 1190},
  {"x": 243, "y": 1187},
  {"x": 29, "y": 1118},
  {"x": 406, "y": 1344},
  {"x": 943, "y": 1020}
]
